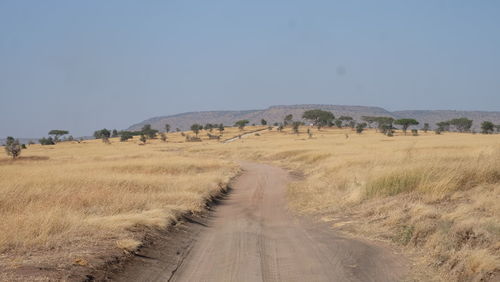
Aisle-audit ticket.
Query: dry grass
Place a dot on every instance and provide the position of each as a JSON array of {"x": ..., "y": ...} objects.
[
  {"x": 75, "y": 202},
  {"x": 434, "y": 194}
]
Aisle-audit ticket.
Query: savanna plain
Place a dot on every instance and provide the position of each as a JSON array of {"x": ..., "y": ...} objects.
[{"x": 75, "y": 206}]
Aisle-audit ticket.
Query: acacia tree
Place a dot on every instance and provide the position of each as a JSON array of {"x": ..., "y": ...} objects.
[
  {"x": 360, "y": 127},
  {"x": 443, "y": 126},
  {"x": 148, "y": 131},
  {"x": 103, "y": 134},
  {"x": 296, "y": 125},
  {"x": 426, "y": 127},
  {"x": 318, "y": 117},
  {"x": 241, "y": 123},
  {"x": 288, "y": 119},
  {"x": 384, "y": 124},
  {"x": 58, "y": 133},
  {"x": 369, "y": 120},
  {"x": 487, "y": 127},
  {"x": 12, "y": 147},
  {"x": 405, "y": 123},
  {"x": 461, "y": 124},
  {"x": 196, "y": 128}
]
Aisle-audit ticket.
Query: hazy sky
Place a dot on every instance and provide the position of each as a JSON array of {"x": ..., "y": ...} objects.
[{"x": 85, "y": 65}]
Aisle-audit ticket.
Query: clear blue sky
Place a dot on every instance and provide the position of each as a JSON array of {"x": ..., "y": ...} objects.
[{"x": 85, "y": 65}]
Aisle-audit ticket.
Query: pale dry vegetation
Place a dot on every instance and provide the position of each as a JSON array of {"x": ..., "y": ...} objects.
[
  {"x": 437, "y": 195},
  {"x": 77, "y": 204}
]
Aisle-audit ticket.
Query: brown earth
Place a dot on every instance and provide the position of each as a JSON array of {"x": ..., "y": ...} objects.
[{"x": 251, "y": 236}]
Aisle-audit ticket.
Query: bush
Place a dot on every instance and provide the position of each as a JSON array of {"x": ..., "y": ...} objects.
[
  {"x": 47, "y": 141},
  {"x": 414, "y": 132},
  {"x": 12, "y": 147}
]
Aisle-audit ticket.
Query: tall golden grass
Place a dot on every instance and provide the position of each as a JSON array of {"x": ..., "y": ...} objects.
[
  {"x": 435, "y": 194},
  {"x": 74, "y": 202}
]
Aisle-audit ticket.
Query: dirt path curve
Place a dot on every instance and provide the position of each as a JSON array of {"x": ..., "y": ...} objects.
[{"x": 254, "y": 238}]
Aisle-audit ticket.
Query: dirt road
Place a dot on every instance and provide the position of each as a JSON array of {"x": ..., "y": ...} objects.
[{"x": 254, "y": 238}]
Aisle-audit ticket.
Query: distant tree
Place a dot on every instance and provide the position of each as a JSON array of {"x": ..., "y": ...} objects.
[
  {"x": 369, "y": 120},
  {"x": 167, "y": 128},
  {"x": 426, "y": 127},
  {"x": 414, "y": 132},
  {"x": 221, "y": 128},
  {"x": 241, "y": 123},
  {"x": 384, "y": 124},
  {"x": 58, "y": 133},
  {"x": 497, "y": 127},
  {"x": 163, "y": 137},
  {"x": 143, "y": 139},
  {"x": 443, "y": 126},
  {"x": 126, "y": 135},
  {"x": 405, "y": 123},
  {"x": 196, "y": 129},
  {"x": 309, "y": 133},
  {"x": 319, "y": 118},
  {"x": 177, "y": 129},
  {"x": 263, "y": 122},
  {"x": 487, "y": 127},
  {"x": 103, "y": 134},
  {"x": 148, "y": 131},
  {"x": 12, "y": 147},
  {"x": 70, "y": 138},
  {"x": 338, "y": 123},
  {"x": 114, "y": 133},
  {"x": 209, "y": 127},
  {"x": 296, "y": 125},
  {"x": 345, "y": 120},
  {"x": 288, "y": 119},
  {"x": 280, "y": 128},
  {"x": 461, "y": 124},
  {"x": 275, "y": 124},
  {"x": 360, "y": 127},
  {"x": 46, "y": 141}
]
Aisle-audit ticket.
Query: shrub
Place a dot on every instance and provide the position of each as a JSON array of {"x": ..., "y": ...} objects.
[
  {"x": 12, "y": 147},
  {"x": 46, "y": 141}
]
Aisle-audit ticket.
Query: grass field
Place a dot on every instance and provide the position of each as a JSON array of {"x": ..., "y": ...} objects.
[
  {"x": 71, "y": 203},
  {"x": 436, "y": 195}
]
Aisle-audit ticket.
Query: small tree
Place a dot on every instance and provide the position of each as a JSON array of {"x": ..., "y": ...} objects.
[
  {"x": 296, "y": 125},
  {"x": 114, "y": 133},
  {"x": 280, "y": 127},
  {"x": 426, "y": 127},
  {"x": 263, "y": 122},
  {"x": 196, "y": 129},
  {"x": 58, "y": 133},
  {"x": 497, "y": 127},
  {"x": 46, "y": 141},
  {"x": 288, "y": 119},
  {"x": 461, "y": 124},
  {"x": 12, "y": 147},
  {"x": 148, "y": 131},
  {"x": 360, "y": 127},
  {"x": 443, "y": 126},
  {"x": 103, "y": 134},
  {"x": 318, "y": 117},
  {"x": 167, "y": 128},
  {"x": 405, "y": 123},
  {"x": 125, "y": 135},
  {"x": 221, "y": 128},
  {"x": 143, "y": 139},
  {"x": 369, "y": 120},
  {"x": 346, "y": 120},
  {"x": 487, "y": 127},
  {"x": 338, "y": 123},
  {"x": 209, "y": 127},
  {"x": 241, "y": 123}
]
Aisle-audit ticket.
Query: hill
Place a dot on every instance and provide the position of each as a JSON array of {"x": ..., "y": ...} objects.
[{"x": 277, "y": 113}]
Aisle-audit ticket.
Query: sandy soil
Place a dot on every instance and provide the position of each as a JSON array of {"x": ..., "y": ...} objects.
[{"x": 251, "y": 236}]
